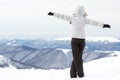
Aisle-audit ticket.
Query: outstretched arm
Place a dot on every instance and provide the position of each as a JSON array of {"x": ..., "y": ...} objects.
[
  {"x": 95, "y": 23},
  {"x": 61, "y": 16}
]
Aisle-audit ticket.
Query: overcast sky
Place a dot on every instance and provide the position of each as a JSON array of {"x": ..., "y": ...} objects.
[{"x": 22, "y": 17}]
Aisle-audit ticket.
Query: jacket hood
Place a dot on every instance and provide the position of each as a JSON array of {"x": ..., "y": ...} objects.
[{"x": 80, "y": 11}]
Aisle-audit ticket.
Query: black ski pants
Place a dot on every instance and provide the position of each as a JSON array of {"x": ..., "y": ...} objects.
[{"x": 77, "y": 46}]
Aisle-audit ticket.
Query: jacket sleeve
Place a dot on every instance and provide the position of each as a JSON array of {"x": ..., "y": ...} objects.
[
  {"x": 94, "y": 23},
  {"x": 64, "y": 17}
]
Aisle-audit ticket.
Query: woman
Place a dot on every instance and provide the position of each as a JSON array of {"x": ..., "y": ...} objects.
[{"x": 78, "y": 20}]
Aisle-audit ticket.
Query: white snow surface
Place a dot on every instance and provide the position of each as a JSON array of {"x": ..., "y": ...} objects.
[
  {"x": 12, "y": 43},
  {"x": 101, "y": 69},
  {"x": 4, "y": 60},
  {"x": 65, "y": 50}
]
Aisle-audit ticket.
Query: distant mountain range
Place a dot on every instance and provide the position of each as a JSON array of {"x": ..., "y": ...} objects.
[{"x": 54, "y": 54}]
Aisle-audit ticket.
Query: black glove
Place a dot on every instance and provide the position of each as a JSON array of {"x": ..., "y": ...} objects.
[
  {"x": 106, "y": 26},
  {"x": 50, "y": 13}
]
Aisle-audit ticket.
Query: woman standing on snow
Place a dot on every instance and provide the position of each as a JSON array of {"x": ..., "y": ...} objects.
[{"x": 78, "y": 20}]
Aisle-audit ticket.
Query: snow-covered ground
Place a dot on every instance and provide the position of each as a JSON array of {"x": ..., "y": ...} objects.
[{"x": 101, "y": 69}]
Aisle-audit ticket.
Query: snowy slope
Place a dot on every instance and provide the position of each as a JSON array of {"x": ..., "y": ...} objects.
[
  {"x": 4, "y": 62},
  {"x": 102, "y": 69}
]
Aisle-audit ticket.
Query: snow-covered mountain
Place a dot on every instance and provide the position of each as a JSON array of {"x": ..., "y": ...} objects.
[
  {"x": 102, "y": 39},
  {"x": 93, "y": 39},
  {"x": 47, "y": 58},
  {"x": 105, "y": 43},
  {"x": 25, "y": 57},
  {"x": 54, "y": 54},
  {"x": 4, "y": 62}
]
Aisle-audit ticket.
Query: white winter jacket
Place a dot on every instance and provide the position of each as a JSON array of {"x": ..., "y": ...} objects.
[{"x": 78, "y": 20}]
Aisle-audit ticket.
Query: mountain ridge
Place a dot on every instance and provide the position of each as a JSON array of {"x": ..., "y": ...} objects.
[{"x": 52, "y": 54}]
